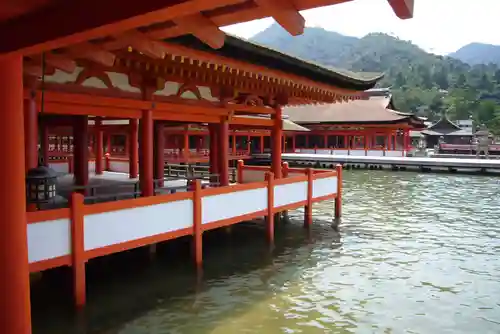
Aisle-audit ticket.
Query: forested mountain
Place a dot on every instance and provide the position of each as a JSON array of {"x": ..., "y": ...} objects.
[
  {"x": 422, "y": 83},
  {"x": 478, "y": 53}
]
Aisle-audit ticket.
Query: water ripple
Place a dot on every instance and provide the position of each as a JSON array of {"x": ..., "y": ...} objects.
[{"x": 415, "y": 254}]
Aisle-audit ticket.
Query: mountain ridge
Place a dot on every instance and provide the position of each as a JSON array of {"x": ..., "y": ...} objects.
[
  {"x": 423, "y": 83},
  {"x": 478, "y": 53},
  {"x": 474, "y": 53}
]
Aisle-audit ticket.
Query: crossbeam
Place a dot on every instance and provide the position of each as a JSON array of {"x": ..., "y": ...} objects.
[
  {"x": 403, "y": 8},
  {"x": 110, "y": 17},
  {"x": 284, "y": 12}
]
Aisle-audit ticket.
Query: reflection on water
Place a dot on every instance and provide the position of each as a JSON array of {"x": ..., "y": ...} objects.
[{"x": 415, "y": 254}]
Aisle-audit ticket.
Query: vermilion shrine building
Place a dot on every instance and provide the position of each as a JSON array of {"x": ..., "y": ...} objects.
[
  {"x": 366, "y": 127},
  {"x": 72, "y": 64},
  {"x": 371, "y": 126}
]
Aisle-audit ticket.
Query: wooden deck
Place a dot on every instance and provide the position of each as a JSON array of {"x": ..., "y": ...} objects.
[{"x": 490, "y": 166}]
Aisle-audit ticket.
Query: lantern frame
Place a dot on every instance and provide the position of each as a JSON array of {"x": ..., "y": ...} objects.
[{"x": 41, "y": 185}]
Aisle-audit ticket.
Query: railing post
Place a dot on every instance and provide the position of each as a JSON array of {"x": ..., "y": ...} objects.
[
  {"x": 107, "y": 163},
  {"x": 77, "y": 249},
  {"x": 197, "y": 225},
  {"x": 286, "y": 168},
  {"x": 308, "y": 207},
  {"x": 270, "y": 207},
  {"x": 239, "y": 171},
  {"x": 338, "y": 199}
]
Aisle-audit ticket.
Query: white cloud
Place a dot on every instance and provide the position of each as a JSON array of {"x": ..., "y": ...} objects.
[{"x": 439, "y": 26}]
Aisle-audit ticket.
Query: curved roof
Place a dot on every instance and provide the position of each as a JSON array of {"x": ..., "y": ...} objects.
[
  {"x": 240, "y": 49},
  {"x": 370, "y": 111}
]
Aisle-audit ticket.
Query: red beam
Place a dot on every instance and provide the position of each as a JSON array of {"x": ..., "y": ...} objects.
[
  {"x": 90, "y": 19},
  {"x": 402, "y": 8}
]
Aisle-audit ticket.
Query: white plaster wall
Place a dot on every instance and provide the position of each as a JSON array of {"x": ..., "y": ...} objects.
[
  {"x": 326, "y": 186},
  {"x": 119, "y": 166},
  {"x": 59, "y": 167},
  {"x": 375, "y": 153},
  {"x": 394, "y": 153},
  {"x": 253, "y": 176},
  {"x": 91, "y": 166},
  {"x": 324, "y": 151},
  {"x": 114, "y": 227},
  {"x": 285, "y": 194},
  {"x": 357, "y": 153},
  {"x": 341, "y": 152},
  {"x": 48, "y": 240},
  {"x": 224, "y": 206},
  {"x": 171, "y": 88}
]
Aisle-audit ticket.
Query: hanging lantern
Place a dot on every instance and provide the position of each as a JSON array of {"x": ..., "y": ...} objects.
[
  {"x": 40, "y": 185},
  {"x": 41, "y": 181}
]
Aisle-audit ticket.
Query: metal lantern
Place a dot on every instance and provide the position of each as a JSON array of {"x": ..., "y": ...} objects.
[
  {"x": 40, "y": 185},
  {"x": 41, "y": 181}
]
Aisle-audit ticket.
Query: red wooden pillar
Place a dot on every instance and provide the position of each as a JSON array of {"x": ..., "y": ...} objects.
[
  {"x": 31, "y": 136},
  {"x": 31, "y": 132},
  {"x": 186, "y": 145},
  {"x": 270, "y": 208},
  {"x": 197, "y": 226},
  {"x": 134, "y": 148},
  {"x": 214, "y": 161},
  {"x": 99, "y": 149},
  {"x": 78, "y": 249},
  {"x": 15, "y": 314},
  {"x": 146, "y": 147},
  {"x": 293, "y": 143},
  {"x": 81, "y": 151},
  {"x": 406, "y": 142},
  {"x": 276, "y": 135},
  {"x": 223, "y": 151},
  {"x": 159, "y": 157}
]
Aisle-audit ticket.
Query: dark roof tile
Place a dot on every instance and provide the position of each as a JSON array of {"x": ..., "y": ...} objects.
[
  {"x": 237, "y": 48},
  {"x": 372, "y": 110}
]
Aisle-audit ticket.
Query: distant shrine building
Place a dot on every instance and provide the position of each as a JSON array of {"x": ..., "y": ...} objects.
[
  {"x": 370, "y": 126},
  {"x": 459, "y": 137}
]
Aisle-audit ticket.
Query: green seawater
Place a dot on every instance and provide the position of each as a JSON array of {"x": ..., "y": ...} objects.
[{"x": 415, "y": 253}]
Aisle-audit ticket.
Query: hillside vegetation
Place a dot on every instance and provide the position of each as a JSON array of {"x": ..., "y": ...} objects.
[{"x": 423, "y": 83}]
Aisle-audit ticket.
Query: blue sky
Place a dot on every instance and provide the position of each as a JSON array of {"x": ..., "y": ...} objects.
[{"x": 438, "y": 26}]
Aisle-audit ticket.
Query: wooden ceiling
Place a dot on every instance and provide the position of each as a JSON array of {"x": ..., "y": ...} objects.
[
  {"x": 42, "y": 25},
  {"x": 12, "y": 8}
]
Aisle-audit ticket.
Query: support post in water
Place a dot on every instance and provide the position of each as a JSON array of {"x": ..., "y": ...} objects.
[
  {"x": 239, "y": 171},
  {"x": 338, "y": 198},
  {"x": 308, "y": 207},
  {"x": 197, "y": 227},
  {"x": 78, "y": 251},
  {"x": 285, "y": 170},
  {"x": 270, "y": 207}
]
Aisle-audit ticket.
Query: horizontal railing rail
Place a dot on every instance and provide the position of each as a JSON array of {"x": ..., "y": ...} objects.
[{"x": 72, "y": 236}]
